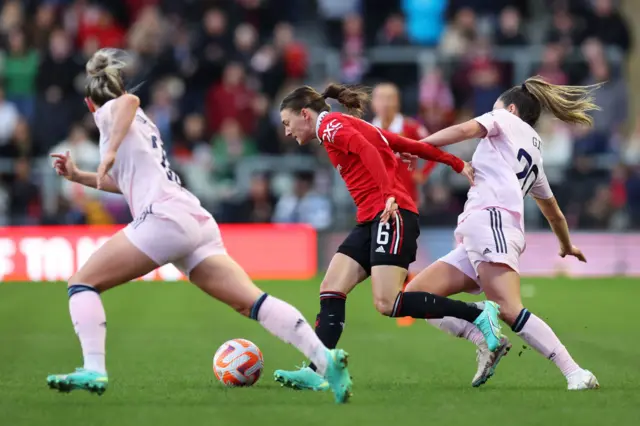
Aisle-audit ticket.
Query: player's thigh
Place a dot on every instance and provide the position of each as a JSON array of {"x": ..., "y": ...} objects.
[
  {"x": 343, "y": 274},
  {"x": 451, "y": 274},
  {"x": 221, "y": 277},
  {"x": 393, "y": 248},
  {"x": 494, "y": 241},
  {"x": 116, "y": 262},
  {"x": 351, "y": 264},
  {"x": 501, "y": 284}
]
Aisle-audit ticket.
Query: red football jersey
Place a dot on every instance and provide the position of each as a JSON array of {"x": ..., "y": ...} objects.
[
  {"x": 364, "y": 155},
  {"x": 412, "y": 129}
]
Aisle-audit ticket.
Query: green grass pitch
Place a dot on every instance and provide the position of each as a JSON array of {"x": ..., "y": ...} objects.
[{"x": 161, "y": 339}]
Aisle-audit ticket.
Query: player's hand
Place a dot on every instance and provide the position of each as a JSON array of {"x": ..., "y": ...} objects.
[
  {"x": 573, "y": 251},
  {"x": 64, "y": 166},
  {"x": 389, "y": 209},
  {"x": 104, "y": 167},
  {"x": 468, "y": 172},
  {"x": 409, "y": 159}
]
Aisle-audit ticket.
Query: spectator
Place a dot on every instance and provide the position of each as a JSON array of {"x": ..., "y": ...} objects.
[
  {"x": 293, "y": 53},
  {"x": 244, "y": 43},
  {"x": 484, "y": 76},
  {"x": 23, "y": 196},
  {"x": 509, "y": 31},
  {"x": 44, "y": 23},
  {"x": 228, "y": 148},
  {"x": 566, "y": 29},
  {"x": 258, "y": 206},
  {"x": 551, "y": 67},
  {"x": 58, "y": 103},
  {"x": 437, "y": 108},
  {"x": 459, "y": 34},
  {"x": 425, "y": 20},
  {"x": 599, "y": 210},
  {"x": 21, "y": 144},
  {"x": 332, "y": 13},
  {"x": 266, "y": 134},
  {"x": 86, "y": 155},
  {"x": 11, "y": 17},
  {"x": 98, "y": 23},
  {"x": 394, "y": 32},
  {"x": 607, "y": 25},
  {"x": 162, "y": 112},
  {"x": 236, "y": 96},
  {"x": 304, "y": 205},
  {"x": 612, "y": 97},
  {"x": 8, "y": 121},
  {"x": 353, "y": 61},
  {"x": 20, "y": 71}
]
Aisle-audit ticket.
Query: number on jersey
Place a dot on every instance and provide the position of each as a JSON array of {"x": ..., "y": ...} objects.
[
  {"x": 529, "y": 173},
  {"x": 171, "y": 175}
]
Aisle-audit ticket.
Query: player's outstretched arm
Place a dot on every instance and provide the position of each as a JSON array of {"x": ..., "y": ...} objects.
[
  {"x": 551, "y": 211},
  {"x": 460, "y": 132},
  {"x": 423, "y": 150},
  {"x": 66, "y": 167}
]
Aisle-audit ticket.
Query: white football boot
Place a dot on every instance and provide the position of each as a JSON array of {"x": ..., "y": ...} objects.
[
  {"x": 582, "y": 380},
  {"x": 488, "y": 361}
]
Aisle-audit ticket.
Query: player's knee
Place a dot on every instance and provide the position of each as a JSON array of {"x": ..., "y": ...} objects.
[{"x": 384, "y": 305}]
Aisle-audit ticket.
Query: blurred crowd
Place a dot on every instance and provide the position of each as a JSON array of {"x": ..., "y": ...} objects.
[{"x": 210, "y": 73}]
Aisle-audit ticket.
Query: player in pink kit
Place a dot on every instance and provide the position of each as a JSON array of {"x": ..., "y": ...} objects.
[
  {"x": 490, "y": 232},
  {"x": 170, "y": 226}
]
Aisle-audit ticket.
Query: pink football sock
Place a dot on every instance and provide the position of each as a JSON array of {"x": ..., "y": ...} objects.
[
  {"x": 89, "y": 322},
  {"x": 287, "y": 323},
  {"x": 542, "y": 338},
  {"x": 458, "y": 328}
]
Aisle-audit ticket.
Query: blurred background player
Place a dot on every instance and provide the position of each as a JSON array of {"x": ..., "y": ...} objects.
[
  {"x": 169, "y": 226},
  {"x": 490, "y": 232},
  {"x": 384, "y": 242},
  {"x": 385, "y": 103}
]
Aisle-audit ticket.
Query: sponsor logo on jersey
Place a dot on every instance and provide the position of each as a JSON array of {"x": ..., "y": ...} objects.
[{"x": 329, "y": 132}]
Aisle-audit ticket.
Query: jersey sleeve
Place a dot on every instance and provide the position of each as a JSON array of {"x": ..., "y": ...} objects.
[
  {"x": 541, "y": 188},
  {"x": 490, "y": 122},
  {"x": 422, "y": 150}
]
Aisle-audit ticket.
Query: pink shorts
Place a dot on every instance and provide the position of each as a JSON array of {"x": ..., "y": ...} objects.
[
  {"x": 491, "y": 235},
  {"x": 176, "y": 231}
]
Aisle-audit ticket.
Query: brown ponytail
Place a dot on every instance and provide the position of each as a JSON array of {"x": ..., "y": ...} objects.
[
  {"x": 570, "y": 104},
  {"x": 353, "y": 98}
]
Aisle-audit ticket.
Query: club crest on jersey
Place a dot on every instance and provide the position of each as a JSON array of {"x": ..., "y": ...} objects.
[{"x": 330, "y": 130}]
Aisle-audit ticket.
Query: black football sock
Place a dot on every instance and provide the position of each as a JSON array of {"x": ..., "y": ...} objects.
[
  {"x": 330, "y": 320},
  {"x": 418, "y": 304}
]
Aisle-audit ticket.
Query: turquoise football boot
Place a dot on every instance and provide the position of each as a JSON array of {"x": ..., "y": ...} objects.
[
  {"x": 302, "y": 379},
  {"x": 489, "y": 324},
  {"x": 338, "y": 376},
  {"x": 90, "y": 381}
]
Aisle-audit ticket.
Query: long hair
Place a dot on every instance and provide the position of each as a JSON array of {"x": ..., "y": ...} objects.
[
  {"x": 353, "y": 98},
  {"x": 104, "y": 76},
  {"x": 570, "y": 104}
]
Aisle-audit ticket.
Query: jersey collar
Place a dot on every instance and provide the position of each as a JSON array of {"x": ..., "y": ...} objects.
[
  {"x": 396, "y": 124},
  {"x": 321, "y": 117}
]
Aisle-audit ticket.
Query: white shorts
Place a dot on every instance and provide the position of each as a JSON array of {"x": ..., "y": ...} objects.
[
  {"x": 491, "y": 235},
  {"x": 176, "y": 231}
]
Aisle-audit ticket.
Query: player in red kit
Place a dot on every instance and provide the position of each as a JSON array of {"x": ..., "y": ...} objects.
[
  {"x": 384, "y": 242},
  {"x": 385, "y": 103}
]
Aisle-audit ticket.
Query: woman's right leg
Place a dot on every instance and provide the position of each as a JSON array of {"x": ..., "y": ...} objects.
[
  {"x": 116, "y": 262},
  {"x": 222, "y": 278}
]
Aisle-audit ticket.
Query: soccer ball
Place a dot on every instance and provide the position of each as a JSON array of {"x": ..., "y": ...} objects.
[{"x": 238, "y": 362}]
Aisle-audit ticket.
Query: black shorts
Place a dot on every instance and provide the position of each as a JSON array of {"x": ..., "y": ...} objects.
[{"x": 393, "y": 243}]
